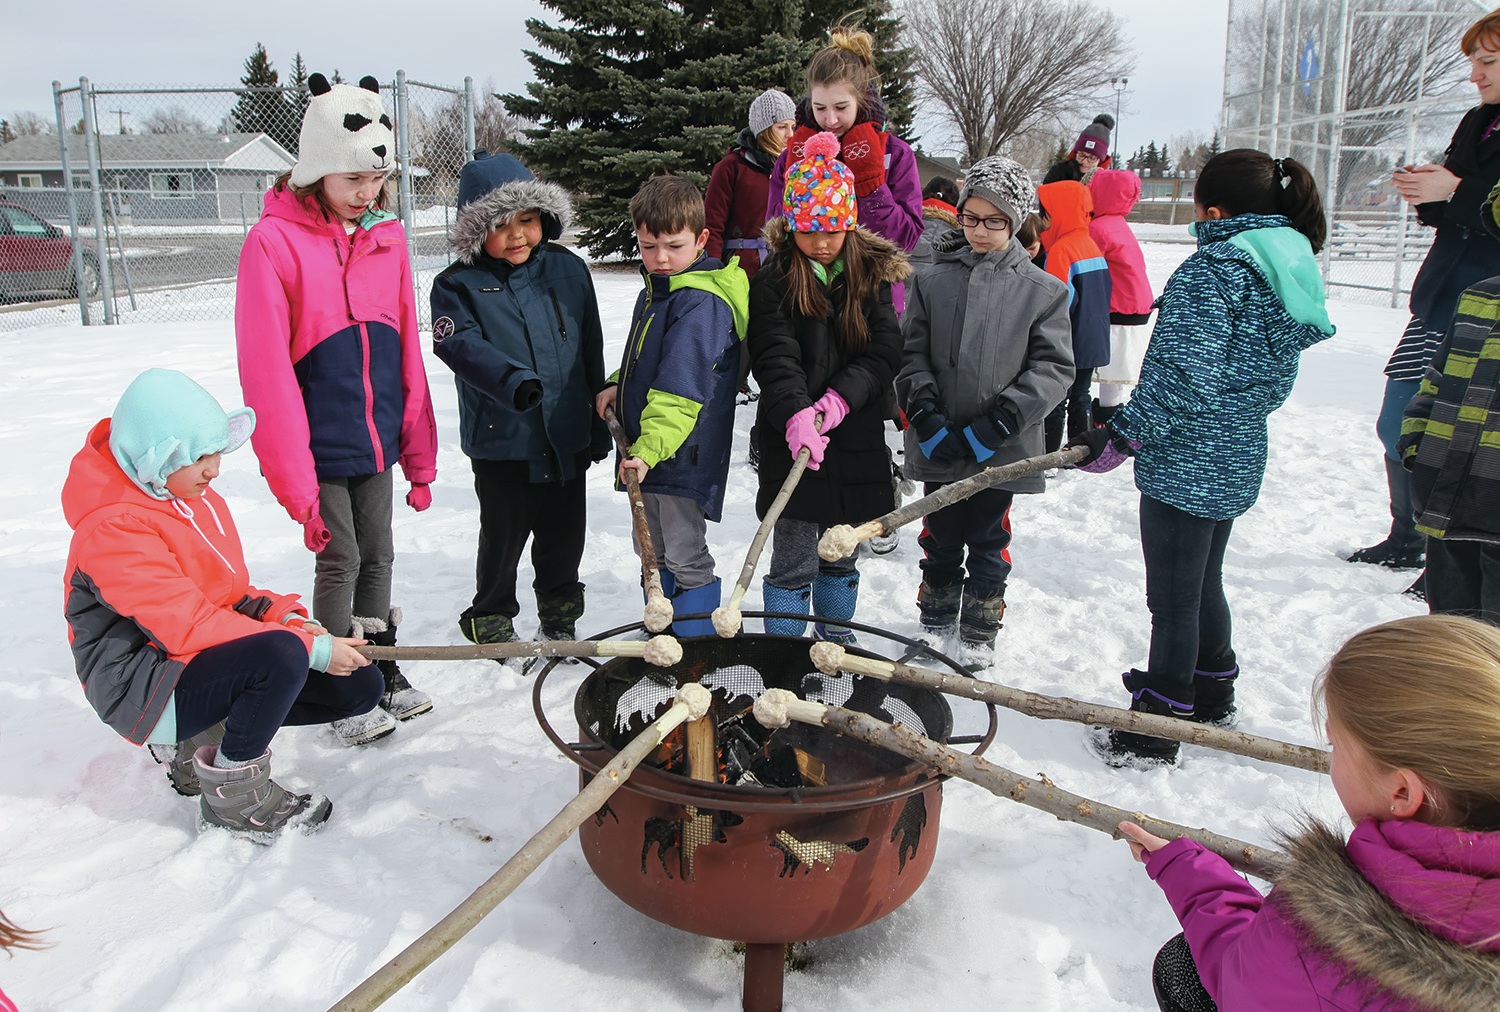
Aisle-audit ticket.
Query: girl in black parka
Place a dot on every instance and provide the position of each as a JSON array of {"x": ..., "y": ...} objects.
[{"x": 823, "y": 339}]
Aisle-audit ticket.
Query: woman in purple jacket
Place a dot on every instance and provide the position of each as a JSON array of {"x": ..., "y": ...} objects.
[{"x": 1405, "y": 915}]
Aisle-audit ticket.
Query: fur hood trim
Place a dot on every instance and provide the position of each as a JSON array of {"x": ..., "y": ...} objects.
[
  {"x": 479, "y": 216},
  {"x": 1349, "y": 921},
  {"x": 891, "y": 263},
  {"x": 940, "y": 213}
]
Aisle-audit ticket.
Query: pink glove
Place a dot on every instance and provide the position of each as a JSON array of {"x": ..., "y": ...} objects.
[
  {"x": 833, "y": 407},
  {"x": 315, "y": 534},
  {"x": 801, "y": 432},
  {"x": 420, "y": 496}
]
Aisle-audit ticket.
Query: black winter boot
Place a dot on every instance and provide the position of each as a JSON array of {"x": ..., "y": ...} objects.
[
  {"x": 1174, "y": 978},
  {"x": 938, "y": 601},
  {"x": 481, "y": 629},
  {"x": 1140, "y": 751},
  {"x": 400, "y": 700},
  {"x": 1404, "y": 547},
  {"x": 1213, "y": 695},
  {"x": 983, "y": 607},
  {"x": 559, "y": 614}
]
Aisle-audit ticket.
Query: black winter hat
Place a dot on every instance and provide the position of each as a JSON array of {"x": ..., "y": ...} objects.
[{"x": 1095, "y": 137}]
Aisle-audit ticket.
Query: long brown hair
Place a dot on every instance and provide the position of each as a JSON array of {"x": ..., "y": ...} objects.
[
  {"x": 12, "y": 937},
  {"x": 858, "y": 282},
  {"x": 284, "y": 182},
  {"x": 849, "y": 58},
  {"x": 1423, "y": 694}
]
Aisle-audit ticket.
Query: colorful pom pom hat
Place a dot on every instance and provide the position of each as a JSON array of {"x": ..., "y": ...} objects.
[{"x": 819, "y": 194}]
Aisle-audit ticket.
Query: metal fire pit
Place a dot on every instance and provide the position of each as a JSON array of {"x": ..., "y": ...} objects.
[{"x": 763, "y": 865}]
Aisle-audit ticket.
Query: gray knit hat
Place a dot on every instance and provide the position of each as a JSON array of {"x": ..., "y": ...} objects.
[
  {"x": 1005, "y": 184},
  {"x": 769, "y": 108}
]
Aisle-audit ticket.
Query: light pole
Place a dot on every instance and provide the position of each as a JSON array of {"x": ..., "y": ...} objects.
[{"x": 1118, "y": 83}]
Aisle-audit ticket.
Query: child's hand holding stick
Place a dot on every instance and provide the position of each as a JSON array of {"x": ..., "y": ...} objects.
[{"x": 658, "y": 608}]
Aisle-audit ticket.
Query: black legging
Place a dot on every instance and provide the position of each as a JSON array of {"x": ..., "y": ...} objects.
[{"x": 1190, "y": 624}]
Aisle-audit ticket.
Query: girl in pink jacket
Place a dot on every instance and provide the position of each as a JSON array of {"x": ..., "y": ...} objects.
[
  {"x": 1405, "y": 914},
  {"x": 330, "y": 359},
  {"x": 1115, "y": 193}
]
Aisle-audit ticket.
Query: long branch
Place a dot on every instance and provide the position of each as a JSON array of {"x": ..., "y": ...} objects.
[
  {"x": 692, "y": 703},
  {"x": 662, "y": 651},
  {"x": 840, "y": 541},
  {"x": 658, "y": 608},
  {"x": 777, "y": 706},
  {"x": 830, "y": 658}
]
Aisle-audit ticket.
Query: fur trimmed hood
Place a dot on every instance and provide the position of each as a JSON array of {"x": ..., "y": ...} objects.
[
  {"x": 891, "y": 263},
  {"x": 931, "y": 212},
  {"x": 477, "y": 217},
  {"x": 1412, "y": 908}
]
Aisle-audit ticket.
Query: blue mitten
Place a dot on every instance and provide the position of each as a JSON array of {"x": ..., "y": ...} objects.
[{"x": 986, "y": 432}]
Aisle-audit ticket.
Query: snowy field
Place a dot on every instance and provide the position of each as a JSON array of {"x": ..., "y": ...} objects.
[{"x": 1019, "y": 911}]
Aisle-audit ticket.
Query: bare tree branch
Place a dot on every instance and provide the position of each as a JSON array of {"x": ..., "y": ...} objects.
[{"x": 999, "y": 68}]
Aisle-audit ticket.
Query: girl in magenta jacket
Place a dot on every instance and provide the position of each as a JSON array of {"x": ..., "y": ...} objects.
[
  {"x": 330, "y": 359},
  {"x": 1405, "y": 915},
  {"x": 844, "y": 99},
  {"x": 1116, "y": 192}
]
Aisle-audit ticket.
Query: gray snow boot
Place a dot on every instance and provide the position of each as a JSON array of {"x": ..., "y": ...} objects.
[
  {"x": 983, "y": 607},
  {"x": 249, "y": 804},
  {"x": 400, "y": 700},
  {"x": 178, "y": 759},
  {"x": 938, "y": 600}
]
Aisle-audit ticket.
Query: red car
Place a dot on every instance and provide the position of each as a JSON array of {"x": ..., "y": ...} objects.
[{"x": 36, "y": 259}]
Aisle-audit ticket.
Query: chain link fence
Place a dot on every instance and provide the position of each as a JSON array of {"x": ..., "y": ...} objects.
[
  {"x": 1352, "y": 89},
  {"x": 136, "y": 207}
]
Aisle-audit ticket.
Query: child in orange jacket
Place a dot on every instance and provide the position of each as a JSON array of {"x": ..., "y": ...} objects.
[{"x": 1075, "y": 259}]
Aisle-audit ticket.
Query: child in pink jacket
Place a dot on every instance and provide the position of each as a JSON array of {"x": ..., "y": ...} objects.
[
  {"x": 330, "y": 359},
  {"x": 1405, "y": 914},
  {"x": 1116, "y": 192}
]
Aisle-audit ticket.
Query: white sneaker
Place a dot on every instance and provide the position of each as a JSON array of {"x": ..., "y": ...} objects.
[{"x": 365, "y": 727}]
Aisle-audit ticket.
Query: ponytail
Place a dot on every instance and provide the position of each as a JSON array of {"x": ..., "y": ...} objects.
[{"x": 1246, "y": 181}]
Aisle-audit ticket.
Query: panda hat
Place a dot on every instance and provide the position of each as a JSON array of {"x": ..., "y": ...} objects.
[{"x": 345, "y": 129}]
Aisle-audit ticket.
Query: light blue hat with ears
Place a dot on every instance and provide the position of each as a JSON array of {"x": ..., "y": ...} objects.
[{"x": 165, "y": 421}]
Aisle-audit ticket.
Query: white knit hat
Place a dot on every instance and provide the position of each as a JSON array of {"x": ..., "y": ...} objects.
[
  {"x": 1004, "y": 183},
  {"x": 769, "y": 108},
  {"x": 345, "y": 129}
]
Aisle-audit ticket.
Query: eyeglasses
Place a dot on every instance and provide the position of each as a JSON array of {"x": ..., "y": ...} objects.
[{"x": 968, "y": 220}]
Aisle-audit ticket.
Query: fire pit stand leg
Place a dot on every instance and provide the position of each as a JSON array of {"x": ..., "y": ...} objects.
[{"x": 765, "y": 967}]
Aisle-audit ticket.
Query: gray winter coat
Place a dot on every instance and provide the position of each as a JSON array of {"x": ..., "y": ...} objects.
[{"x": 984, "y": 331}]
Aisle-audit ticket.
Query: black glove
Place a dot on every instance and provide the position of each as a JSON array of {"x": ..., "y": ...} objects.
[
  {"x": 935, "y": 433},
  {"x": 1107, "y": 449},
  {"x": 986, "y": 432},
  {"x": 528, "y": 394}
]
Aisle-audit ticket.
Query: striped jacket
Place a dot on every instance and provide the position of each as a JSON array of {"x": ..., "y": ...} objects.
[{"x": 1450, "y": 437}]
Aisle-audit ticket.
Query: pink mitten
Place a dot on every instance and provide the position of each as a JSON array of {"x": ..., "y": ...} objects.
[
  {"x": 833, "y": 407},
  {"x": 800, "y": 433},
  {"x": 420, "y": 496},
  {"x": 315, "y": 534}
]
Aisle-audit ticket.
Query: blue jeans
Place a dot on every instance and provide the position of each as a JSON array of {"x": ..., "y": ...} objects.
[
  {"x": 1190, "y": 624},
  {"x": 1398, "y": 393},
  {"x": 261, "y": 683}
]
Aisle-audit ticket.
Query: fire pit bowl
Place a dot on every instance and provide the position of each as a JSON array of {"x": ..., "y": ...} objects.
[{"x": 781, "y": 836}]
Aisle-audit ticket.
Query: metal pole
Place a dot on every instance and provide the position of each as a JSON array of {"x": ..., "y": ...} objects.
[
  {"x": 404, "y": 164},
  {"x": 470, "y": 141},
  {"x": 1336, "y": 137},
  {"x": 91, "y": 144},
  {"x": 68, "y": 195},
  {"x": 114, "y": 219},
  {"x": 1397, "y": 268},
  {"x": 1277, "y": 84}
]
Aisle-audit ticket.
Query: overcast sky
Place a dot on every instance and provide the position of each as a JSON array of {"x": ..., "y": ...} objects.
[{"x": 1176, "y": 85}]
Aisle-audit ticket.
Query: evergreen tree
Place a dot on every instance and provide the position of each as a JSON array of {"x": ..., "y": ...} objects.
[
  {"x": 640, "y": 87},
  {"x": 299, "y": 96},
  {"x": 261, "y": 107}
]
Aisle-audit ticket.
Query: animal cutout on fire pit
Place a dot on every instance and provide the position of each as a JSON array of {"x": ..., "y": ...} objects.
[
  {"x": 909, "y": 825},
  {"x": 806, "y": 853}
]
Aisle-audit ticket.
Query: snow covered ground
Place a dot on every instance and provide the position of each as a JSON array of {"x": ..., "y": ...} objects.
[{"x": 1019, "y": 911}]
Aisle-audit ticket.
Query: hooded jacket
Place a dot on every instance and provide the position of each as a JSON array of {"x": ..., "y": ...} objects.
[
  {"x": 330, "y": 356},
  {"x": 151, "y": 580},
  {"x": 1073, "y": 258},
  {"x": 734, "y": 206},
  {"x": 1450, "y": 435},
  {"x": 797, "y": 358},
  {"x": 679, "y": 377},
  {"x": 1402, "y": 918},
  {"x": 1115, "y": 193},
  {"x": 938, "y": 219},
  {"x": 498, "y": 325},
  {"x": 1233, "y": 323},
  {"x": 984, "y": 331}
]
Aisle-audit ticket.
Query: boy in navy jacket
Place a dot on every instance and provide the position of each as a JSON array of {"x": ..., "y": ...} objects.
[{"x": 516, "y": 319}]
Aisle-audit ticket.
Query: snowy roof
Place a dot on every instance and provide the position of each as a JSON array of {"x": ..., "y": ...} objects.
[{"x": 254, "y": 151}]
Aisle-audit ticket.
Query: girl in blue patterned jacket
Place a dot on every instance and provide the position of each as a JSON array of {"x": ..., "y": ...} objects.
[{"x": 1233, "y": 322}]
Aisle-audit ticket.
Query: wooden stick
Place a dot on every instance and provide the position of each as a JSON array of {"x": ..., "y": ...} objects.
[
  {"x": 662, "y": 651},
  {"x": 830, "y": 658},
  {"x": 692, "y": 703},
  {"x": 840, "y": 541},
  {"x": 777, "y": 707},
  {"x": 727, "y": 618},
  {"x": 658, "y": 608}
]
